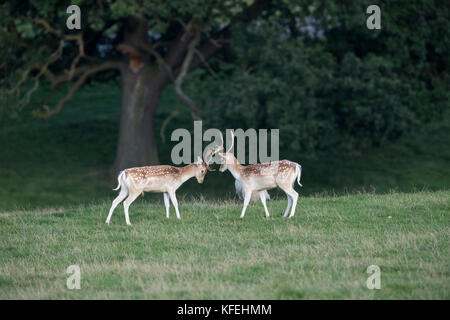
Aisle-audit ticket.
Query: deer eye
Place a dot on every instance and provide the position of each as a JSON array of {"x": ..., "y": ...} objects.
[{"x": 203, "y": 171}]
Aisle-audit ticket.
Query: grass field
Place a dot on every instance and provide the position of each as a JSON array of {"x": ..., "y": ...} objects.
[
  {"x": 323, "y": 252},
  {"x": 56, "y": 193}
]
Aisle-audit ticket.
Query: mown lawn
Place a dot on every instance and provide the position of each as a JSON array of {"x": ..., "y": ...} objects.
[{"x": 321, "y": 253}]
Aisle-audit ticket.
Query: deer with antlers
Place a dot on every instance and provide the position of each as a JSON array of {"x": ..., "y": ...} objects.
[
  {"x": 256, "y": 179},
  {"x": 165, "y": 179}
]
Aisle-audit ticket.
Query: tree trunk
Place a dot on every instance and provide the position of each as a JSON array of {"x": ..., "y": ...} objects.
[{"x": 140, "y": 94}]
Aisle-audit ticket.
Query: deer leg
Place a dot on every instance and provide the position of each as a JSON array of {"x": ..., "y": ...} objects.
[
  {"x": 294, "y": 196},
  {"x": 122, "y": 195},
  {"x": 173, "y": 198},
  {"x": 126, "y": 205},
  {"x": 262, "y": 196},
  {"x": 288, "y": 206},
  {"x": 167, "y": 204},
  {"x": 247, "y": 197}
]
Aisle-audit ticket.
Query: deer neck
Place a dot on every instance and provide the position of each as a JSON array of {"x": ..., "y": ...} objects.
[
  {"x": 236, "y": 169},
  {"x": 187, "y": 172}
]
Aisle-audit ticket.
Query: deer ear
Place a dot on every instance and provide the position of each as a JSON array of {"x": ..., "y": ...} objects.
[{"x": 199, "y": 161}]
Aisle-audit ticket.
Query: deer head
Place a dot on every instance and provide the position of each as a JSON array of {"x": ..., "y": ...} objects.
[{"x": 201, "y": 169}]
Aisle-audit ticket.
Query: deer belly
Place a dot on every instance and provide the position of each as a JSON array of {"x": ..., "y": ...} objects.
[
  {"x": 155, "y": 185},
  {"x": 155, "y": 189},
  {"x": 264, "y": 183}
]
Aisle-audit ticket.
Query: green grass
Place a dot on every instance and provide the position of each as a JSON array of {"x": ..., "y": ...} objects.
[{"x": 321, "y": 253}]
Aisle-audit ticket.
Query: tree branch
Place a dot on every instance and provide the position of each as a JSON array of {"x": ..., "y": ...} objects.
[
  {"x": 206, "y": 64},
  {"x": 107, "y": 65},
  {"x": 180, "y": 78},
  {"x": 183, "y": 56},
  {"x": 78, "y": 38},
  {"x": 177, "y": 52},
  {"x": 207, "y": 50},
  {"x": 47, "y": 27}
]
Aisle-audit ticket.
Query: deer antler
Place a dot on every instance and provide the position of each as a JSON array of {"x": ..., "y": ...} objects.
[
  {"x": 232, "y": 142},
  {"x": 221, "y": 138},
  {"x": 210, "y": 153}
]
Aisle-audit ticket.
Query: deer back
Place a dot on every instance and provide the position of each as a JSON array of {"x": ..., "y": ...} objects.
[{"x": 153, "y": 178}]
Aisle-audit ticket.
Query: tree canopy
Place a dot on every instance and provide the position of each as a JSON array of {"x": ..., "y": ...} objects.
[
  {"x": 329, "y": 82},
  {"x": 36, "y": 43}
]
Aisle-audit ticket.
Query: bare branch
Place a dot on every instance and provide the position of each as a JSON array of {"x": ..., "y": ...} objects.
[
  {"x": 16, "y": 35},
  {"x": 36, "y": 85},
  {"x": 203, "y": 59},
  {"x": 180, "y": 78},
  {"x": 159, "y": 58},
  {"x": 20, "y": 82},
  {"x": 161, "y": 43},
  {"x": 48, "y": 113},
  {"x": 166, "y": 121},
  {"x": 81, "y": 80},
  {"x": 79, "y": 39},
  {"x": 47, "y": 27},
  {"x": 126, "y": 48},
  {"x": 43, "y": 70},
  {"x": 177, "y": 52},
  {"x": 206, "y": 51}
]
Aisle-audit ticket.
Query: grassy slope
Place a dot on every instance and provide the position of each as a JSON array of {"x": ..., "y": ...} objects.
[{"x": 322, "y": 252}]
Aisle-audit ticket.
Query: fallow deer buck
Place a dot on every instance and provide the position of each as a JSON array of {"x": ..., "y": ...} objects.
[
  {"x": 256, "y": 179},
  {"x": 166, "y": 179}
]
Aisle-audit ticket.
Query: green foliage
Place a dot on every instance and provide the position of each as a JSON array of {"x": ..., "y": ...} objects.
[
  {"x": 369, "y": 105},
  {"x": 317, "y": 101},
  {"x": 413, "y": 42},
  {"x": 335, "y": 84}
]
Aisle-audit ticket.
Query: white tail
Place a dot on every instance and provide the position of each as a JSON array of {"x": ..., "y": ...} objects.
[
  {"x": 298, "y": 172},
  {"x": 166, "y": 179},
  {"x": 119, "y": 177},
  {"x": 258, "y": 178}
]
